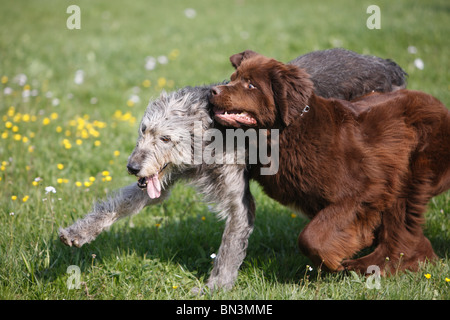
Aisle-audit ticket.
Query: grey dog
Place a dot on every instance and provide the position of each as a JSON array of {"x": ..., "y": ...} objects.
[{"x": 164, "y": 155}]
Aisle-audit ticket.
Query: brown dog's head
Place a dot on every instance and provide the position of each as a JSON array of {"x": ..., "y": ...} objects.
[{"x": 262, "y": 93}]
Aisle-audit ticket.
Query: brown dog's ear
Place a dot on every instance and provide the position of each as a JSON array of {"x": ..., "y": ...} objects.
[
  {"x": 291, "y": 88},
  {"x": 236, "y": 59}
]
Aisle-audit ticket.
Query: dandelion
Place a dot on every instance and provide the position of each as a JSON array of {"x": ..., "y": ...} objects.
[
  {"x": 91, "y": 179},
  {"x": 50, "y": 189},
  {"x": 15, "y": 129},
  {"x": 146, "y": 83},
  {"x": 427, "y": 275},
  {"x": 54, "y": 116},
  {"x": 60, "y": 166},
  {"x": 293, "y": 215},
  {"x": 174, "y": 54},
  {"x": 447, "y": 279},
  {"x": 25, "y": 199},
  {"x": 162, "y": 82},
  {"x": 87, "y": 184},
  {"x": 97, "y": 143},
  {"x": 4, "y": 79},
  {"x": 17, "y": 137},
  {"x": 5, "y": 135},
  {"x": 46, "y": 121},
  {"x": 174, "y": 287},
  {"x": 116, "y": 153},
  {"x": 78, "y": 184},
  {"x": 13, "y": 198},
  {"x": 8, "y": 124},
  {"x": 203, "y": 218},
  {"x": 79, "y": 142},
  {"x": 108, "y": 178},
  {"x": 105, "y": 173}
]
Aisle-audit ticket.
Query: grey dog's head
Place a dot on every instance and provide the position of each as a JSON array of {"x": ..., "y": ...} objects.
[{"x": 165, "y": 136}]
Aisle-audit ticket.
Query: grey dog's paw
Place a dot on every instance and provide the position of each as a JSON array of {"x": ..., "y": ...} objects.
[{"x": 70, "y": 238}]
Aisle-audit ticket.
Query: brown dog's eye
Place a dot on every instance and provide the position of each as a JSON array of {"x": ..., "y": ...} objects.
[{"x": 165, "y": 139}]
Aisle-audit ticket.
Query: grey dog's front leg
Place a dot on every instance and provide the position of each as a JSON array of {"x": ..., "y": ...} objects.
[
  {"x": 236, "y": 199},
  {"x": 124, "y": 202}
]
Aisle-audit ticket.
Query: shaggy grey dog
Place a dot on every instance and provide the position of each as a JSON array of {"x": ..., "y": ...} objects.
[{"x": 166, "y": 153}]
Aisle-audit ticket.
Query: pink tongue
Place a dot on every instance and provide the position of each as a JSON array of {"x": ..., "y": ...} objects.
[{"x": 153, "y": 186}]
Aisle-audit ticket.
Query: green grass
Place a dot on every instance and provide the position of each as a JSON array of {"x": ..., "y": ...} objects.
[{"x": 164, "y": 252}]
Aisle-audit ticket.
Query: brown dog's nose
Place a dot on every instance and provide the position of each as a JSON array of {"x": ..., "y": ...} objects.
[{"x": 215, "y": 91}]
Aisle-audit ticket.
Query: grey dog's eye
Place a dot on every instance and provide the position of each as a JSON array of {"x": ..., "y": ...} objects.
[
  {"x": 143, "y": 128},
  {"x": 165, "y": 139}
]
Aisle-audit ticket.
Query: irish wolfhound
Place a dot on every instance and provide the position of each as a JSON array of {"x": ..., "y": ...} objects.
[{"x": 165, "y": 154}]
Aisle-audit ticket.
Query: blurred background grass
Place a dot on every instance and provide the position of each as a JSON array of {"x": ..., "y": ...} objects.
[{"x": 128, "y": 53}]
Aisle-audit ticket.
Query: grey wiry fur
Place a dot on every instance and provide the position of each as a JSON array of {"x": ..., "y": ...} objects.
[{"x": 167, "y": 126}]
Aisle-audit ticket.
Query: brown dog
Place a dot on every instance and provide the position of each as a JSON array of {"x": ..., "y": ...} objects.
[{"x": 363, "y": 172}]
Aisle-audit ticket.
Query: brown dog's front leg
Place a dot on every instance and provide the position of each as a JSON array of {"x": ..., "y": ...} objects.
[{"x": 331, "y": 236}]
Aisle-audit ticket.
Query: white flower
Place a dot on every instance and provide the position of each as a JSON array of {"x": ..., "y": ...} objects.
[
  {"x": 190, "y": 13},
  {"x": 11, "y": 213},
  {"x": 150, "y": 63},
  {"x": 419, "y": 64},
  {"x": 50, "y": 189},
  {"x": 21, "y": 79},
  {"x": 55, "y": 102},
  {"x": 163, "y": 60},
  {"x": 412, "y": 50},
  {"x": 7, "y": 91},
  {"x": 213, "y": 256},
  {"x": 79, "y": 77},
  {"x": 135, "y": 98}
]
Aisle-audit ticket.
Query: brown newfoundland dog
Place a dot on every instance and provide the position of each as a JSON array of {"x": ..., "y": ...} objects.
[{"x": 362, "y": 171}]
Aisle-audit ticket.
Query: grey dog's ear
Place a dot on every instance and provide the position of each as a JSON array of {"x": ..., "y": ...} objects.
[{"x": 236, "y": 59}]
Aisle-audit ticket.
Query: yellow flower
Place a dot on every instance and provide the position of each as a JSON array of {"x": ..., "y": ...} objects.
[
  {"x": 105, "y": 173},
  {"x": 26, "y": 118},
  {"x": 35, "y": 183},
  {"x": 97, "y": 143},
  {"x": 91, "y": 179},
  {"x": 2, "y": 168},
  {"x": 60, "y": 166},
  {"x": 174, "y": 287},
  {"x": 25, "y": 199},
  {"x": 17, "y": 137},
  {"x": 59, "y": 180},
  {"x": 46, "y": 121},
  {"x": 4, "y": 79},
  {"x": 54, "y": 116},
  {"x": 158, "y": 225},
  {"x": 79, "y": 142},
  {"x": 13, "y": 198},
  {"x": 162, "y": 82},
  {"x": 78, "y": 184},
  {"x": 108, "y": 178},
  {"x": 447, "y": 279},
  {"x": 5, "y": 135},
  {"x": 87, "y": 184},
  {"x": 293, "y": 215},
  {"x": 116, "y": 153},
  {"x": 59, "y": 129},
  {"x": 427, "y": 275},
  {"x": 146, "y": 83},
  {"x": 8, "y": 124},
  {"x": 203, "y": 218}
]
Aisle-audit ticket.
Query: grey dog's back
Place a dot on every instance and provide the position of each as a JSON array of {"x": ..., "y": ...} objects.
[{"x": 344, "y": 74}]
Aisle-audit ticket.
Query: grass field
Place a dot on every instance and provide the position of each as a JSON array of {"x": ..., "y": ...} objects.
[{"x": 70, "y": 105}]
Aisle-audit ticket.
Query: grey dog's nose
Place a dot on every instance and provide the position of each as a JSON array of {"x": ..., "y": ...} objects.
[{"x": 133, "y": 168}]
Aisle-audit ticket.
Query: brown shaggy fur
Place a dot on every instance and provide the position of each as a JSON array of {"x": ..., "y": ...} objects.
[{"x": 362, "y": 171}]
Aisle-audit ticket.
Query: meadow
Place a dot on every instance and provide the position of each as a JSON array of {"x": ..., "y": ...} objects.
[{"x": 70, "y": 105}]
